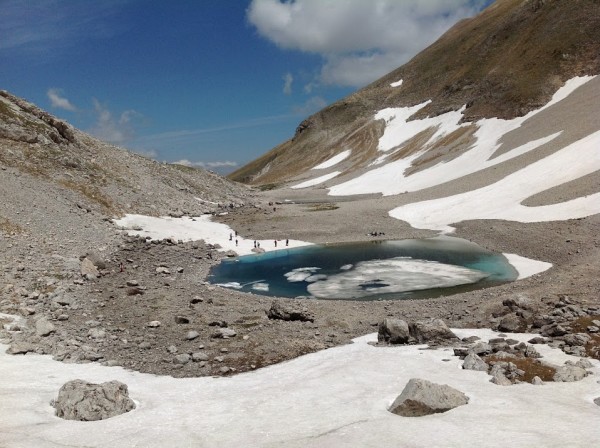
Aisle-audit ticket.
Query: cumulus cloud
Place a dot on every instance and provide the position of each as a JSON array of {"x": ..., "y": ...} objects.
[
  {"x": 287, "y": 83},
  {"x": 359, "y": 40},
  {"x": 59, "y": 101},
  {"x": 113, "y": 130}
]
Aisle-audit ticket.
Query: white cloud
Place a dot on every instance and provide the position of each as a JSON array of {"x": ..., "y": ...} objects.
[
  {"x": 370, "y": 37},
  {"x": 287, "y": 83},
  {"x": 111, "y": 129},
  {"x": 59, "y": 101},
  {"x": 311, "y": 105},
  {"x": 207, "y": 165}
]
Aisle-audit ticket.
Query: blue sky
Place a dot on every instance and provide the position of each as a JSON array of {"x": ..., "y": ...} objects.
[{"x": 213, "y": 83}]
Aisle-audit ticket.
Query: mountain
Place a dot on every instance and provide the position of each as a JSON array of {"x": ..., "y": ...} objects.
[
  {"x": 62, "y": 163},
  {"x": 507, "y": 61}
]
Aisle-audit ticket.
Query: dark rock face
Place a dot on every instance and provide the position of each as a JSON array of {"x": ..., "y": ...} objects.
[
  {"x": 394, "y": 331},
  {"x": 422, "y": 397},
  {"x": 83, "y": 401},
  {"x": 289, "y": 311}
]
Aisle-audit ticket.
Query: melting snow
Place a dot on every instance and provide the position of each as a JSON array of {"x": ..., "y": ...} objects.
[
  {"x": 333, "y": 398},
  {"x": 526, "y": 267},
  {"x": 396, "y": 84},
  {"x": 333, "y": 161}
]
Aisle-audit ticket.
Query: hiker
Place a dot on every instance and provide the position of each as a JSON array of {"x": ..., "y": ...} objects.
[
  {"x": 236, "y": 242},
  {"x": 287, "y": 242},
  {"x": 121, "y": 267},
  {"x": 275, "y": 243},
  {"x": 230, "y": 236},
  {"x": 255, "y": 244}
]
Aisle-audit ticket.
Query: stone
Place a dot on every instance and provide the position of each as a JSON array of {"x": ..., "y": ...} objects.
[
  {"x": 43, "y": 327},
  {"x": 191, "y": 335},
  {"x": 569, "y": 373},
  {"x": 597, "y": 401},
  {"x": 162, "y": 270},
  {"x": 518, "y": 302},
  {"x": 421, "y": 397},
  {"x": 133, "y": 283},
  {"x": 20, "y": 348},
  {"x": 474, "y": 362},
  {"x": 511, "y": 323},
  {"x": 432, "y": 330},
  {"x": 224, "y": 333},
  {"x": 88, "y": 269},
  {"x": 537, "y": 340},
  {"x": 537, "y": 381},
  {"x": 199, "y": 356},
  {"x": 96, "y": 333},
  {"x": 153, "y": 324},
  {"x": 83, "y": 401},
  {"x": 482, "y": 348},
  {"x": 289, "y": 311},
  {"x": 584, "y": 363},
  {"x": 576, "y": 339},
  {"x": 184, "y": 358},
  {"x": 393, "y": 331},
  {"x": 499, "y": 379}
]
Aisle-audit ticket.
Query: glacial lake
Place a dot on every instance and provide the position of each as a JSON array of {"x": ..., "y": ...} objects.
[{"x": 372, "y": 270}]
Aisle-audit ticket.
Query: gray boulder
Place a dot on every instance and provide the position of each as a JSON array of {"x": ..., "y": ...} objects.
[
  {"x": 422, "y": 397},
  {"x": 43, "y": 327},
  {"x": 432, "y": 330},
  {"x": 289, "y": 311},
  {"x": 83, "y": 401},
  {"x": 394, "y": 331},
  {"x": 512, "y": 323},
  {"x": 88, "y": 269},
  {"x": 474, "y": 362},
  {"x": 569, "y": 373}
]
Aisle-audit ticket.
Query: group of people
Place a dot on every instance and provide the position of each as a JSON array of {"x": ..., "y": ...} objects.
[
  {"x": 375, "y": 234},
  {"x": 256, "y": 243}
]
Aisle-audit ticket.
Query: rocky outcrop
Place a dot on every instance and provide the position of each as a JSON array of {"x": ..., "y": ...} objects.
[
  {"x": 422, "y": 397},
  {"x": 83, "y": 401}
]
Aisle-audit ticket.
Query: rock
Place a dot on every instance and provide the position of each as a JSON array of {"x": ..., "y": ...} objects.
[
  {"x": 88, "y": 269},
  {"x": 597, "y": 401},
  {"x": 537, "y": 340},
  {"x": 553, "y": 330},
  {"x": 433, "y": 330},
  {"x": 422, "y": 397},
  {"x": 162, "y": 270},
  {"x": 191, "y": 335},
  {"x": 569, "y": 373},
  {"x": 184, "y": 358},
  {"x": 224, "y": 333},
  {"x": 518, "y": 302},
  {"x": 43, "y": 327},
  {"x": 576, "y": 339},
  {"x": 499, "y": 379},
  {"x": 537, "y": 381},
  {"x": 393, "y": 331},
  {"x": 83, "y": 401},
  {"x": 144, "y": 345},
  {"x": 196, "y": 299},
  {"x": 482, "y": 348},
  {"x": 199, "y": 356},
  {"x": 133, "y": 283},
  {"x": 153, "y": 324},
  {"x": 96, "y": 333},
  {"x": 584, "y": 363},
  {"x": 289, "y": 311},
  {"x": 181, "y": 320},
  {"x": 224, "y": 369},
  {"x": 512, "y": 323},
  {"x": 20, "y": 348},
  {"x": 474, "y": 362},
  {"x": 172, "y": 349}
]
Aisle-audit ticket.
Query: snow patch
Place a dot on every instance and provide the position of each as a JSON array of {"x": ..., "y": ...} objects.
[
  {"x": 526, "y": 267},
  {"x": 333, "y": 161},
  {"x": 396, "y": 84},
  {"x": 316, "y": 180}
]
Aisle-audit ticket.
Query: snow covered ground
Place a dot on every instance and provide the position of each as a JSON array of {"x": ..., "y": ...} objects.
[
  {"x": 316, "y": 180},
  {"x": 198, "y": 228},
  {"x": 333, "y": 398},
  {"x": 333, "y": 161}
]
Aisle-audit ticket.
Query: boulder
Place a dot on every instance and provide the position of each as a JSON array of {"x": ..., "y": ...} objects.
[
  {"x": 422, "y": 397},
  {"x": 224, "y": 333},
  {"x": 289, "y": 311},
  {"x": 20, "y": 348},
  {"x": 474, "y": 362},
  {"x": 83, "y": 401},
  {"x": 88, "y": 269},
  {"x": 43, "y": 327},
  {"x": 569, "y": 373},
  {"x": 512, "y": 323},
  {"x": 432, "y": 330},
  {"x": 394, "y": 331}
]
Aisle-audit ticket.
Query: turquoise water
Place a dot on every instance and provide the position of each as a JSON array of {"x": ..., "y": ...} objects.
[{"x": 374, "y": 270}]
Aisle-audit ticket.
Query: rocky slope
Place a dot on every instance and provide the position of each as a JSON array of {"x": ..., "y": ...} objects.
[{"x": 503, "y": 63}]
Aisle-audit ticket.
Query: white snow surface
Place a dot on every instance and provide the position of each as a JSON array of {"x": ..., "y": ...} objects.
[
  {"x": 389, "y": 179},
  {"x": 333, "y": 161},
  {"x": 333, "y": 398},
  {"x": 198, "y": 228},
  {"x": 502, "y": 199},
  {"x": 526, "y": 267},
  {"x": 316, "y": 180},
  {"x": 396, "y": 84}
]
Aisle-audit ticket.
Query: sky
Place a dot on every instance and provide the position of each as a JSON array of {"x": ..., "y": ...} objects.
[{"x": 210, "y": 83}]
